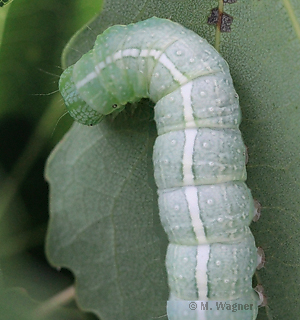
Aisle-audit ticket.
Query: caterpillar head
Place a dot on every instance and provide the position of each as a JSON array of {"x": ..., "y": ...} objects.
[{"x": 78, "y": 109}]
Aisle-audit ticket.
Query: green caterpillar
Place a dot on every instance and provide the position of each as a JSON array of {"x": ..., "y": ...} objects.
[{"x": 199, "y": 157}]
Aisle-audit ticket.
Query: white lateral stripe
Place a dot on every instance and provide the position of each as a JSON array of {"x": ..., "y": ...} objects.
[
  {"x": 186, "y": 93},
  {"x": 85, "y": 80},
  {"x": 187, "y": 161},
  {"x": 201, "y": 270},
  {"x": 177, "y": 75},
  {"x": 191, "y": 196}
]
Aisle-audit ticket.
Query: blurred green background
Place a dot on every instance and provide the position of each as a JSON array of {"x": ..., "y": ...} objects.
[{"x": 33, "y": 34}]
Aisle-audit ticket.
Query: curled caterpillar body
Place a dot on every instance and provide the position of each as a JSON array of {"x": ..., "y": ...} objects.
[{"x": 199, "y": 157}]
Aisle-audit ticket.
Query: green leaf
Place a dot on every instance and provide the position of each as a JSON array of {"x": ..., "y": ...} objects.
[
  {"x": 101, "y": 224},
  {"x": 15, "y": 304},
  {"x": 262, "y": 50}
]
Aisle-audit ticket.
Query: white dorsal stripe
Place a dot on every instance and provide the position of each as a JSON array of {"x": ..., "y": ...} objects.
[
  {"x": 86, "y": 80},
  {"x": 155, "y": 53},
  {"x": 177, "y": 75},
  {"x": 163, "y": 59},
  {"x": 144, "y": 53},
  {"x": 131, "y": 53},
  {"x": 191, "y": 195},
  {"x": 117, "y": 55},
  {"x": 201, "y": 311},
  {"x": 201, "y": 270},
  {"x": 135, "y": 53},
  {"x": 100, "y": 66},
  {"x": 126, "y": 53},
  {"x": 108, "y": 60},
  {"x": 186, "y": 93},
  {"x": 187, "y": 161}
]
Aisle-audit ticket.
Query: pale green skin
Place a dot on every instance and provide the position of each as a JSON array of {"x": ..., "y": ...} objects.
[{"x": 218, "y": 160}]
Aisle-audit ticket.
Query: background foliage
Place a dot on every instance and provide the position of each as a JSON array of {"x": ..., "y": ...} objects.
[
  {"x": 33, "y": 34},
  {"x": 262, "y": 50}
]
